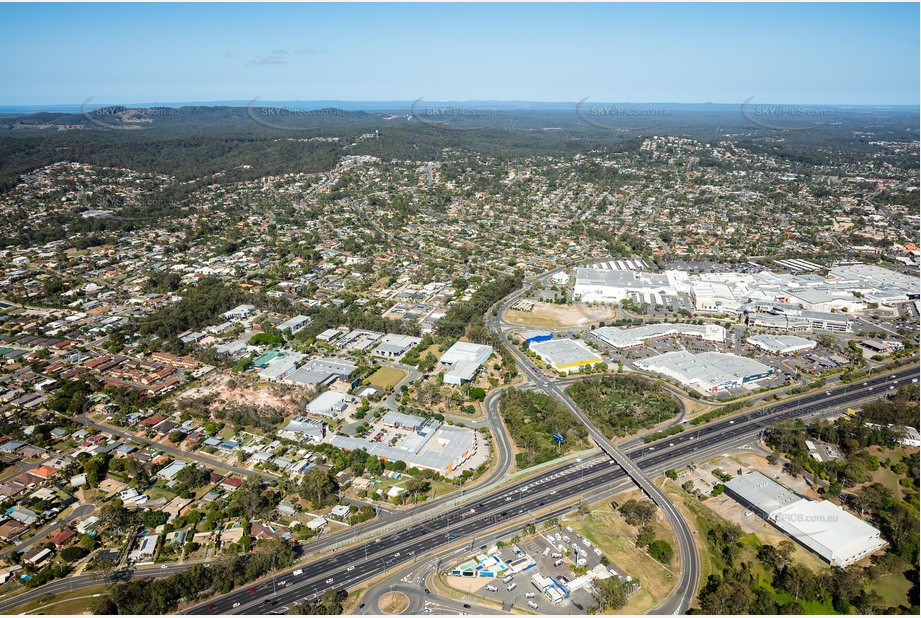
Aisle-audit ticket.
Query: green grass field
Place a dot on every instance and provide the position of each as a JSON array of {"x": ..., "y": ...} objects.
[
  {"x": 386, "y": 377},
  {"x": 893, "y": 588}
]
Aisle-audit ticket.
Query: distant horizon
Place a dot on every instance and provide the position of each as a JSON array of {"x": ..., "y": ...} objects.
[
  {"x": 379, "y": 104},
  {"x": 834, "y": 53}
]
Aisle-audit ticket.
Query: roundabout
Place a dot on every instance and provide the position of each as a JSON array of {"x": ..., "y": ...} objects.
[
  {"x": 393, "y": 603},
  {"x": 394, "y": 599}
]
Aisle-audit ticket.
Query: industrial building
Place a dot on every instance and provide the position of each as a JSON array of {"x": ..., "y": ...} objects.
[
  {"x": 290, "y": 368},
  {"x": 781, "y": 344},
  {"x": 824, "y": 528},
  {"x": 295, "y": 324},
  {"x": 321, "y": 371},
  {"x": 464, "y": 360},
  {"x": 277, "y": 365},
  {"x": 565, "y": 355},
  {"x": 623, "y": 338},
  {"x": 395, "y": 346},
  {"x": 303, "y": 429},
  {"x": 330, "y": 404},
  {"x": 709, "y": 372},
  {"x": 398, "y": 420},
  {"x": 428, "y": 444}
]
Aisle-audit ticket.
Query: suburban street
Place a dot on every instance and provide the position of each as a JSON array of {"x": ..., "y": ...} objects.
[
  {"x": 533, "y": 499},
  {"x": 80, "y": 511}
]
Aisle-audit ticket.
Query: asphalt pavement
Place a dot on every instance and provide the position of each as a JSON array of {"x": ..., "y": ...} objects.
[
  {"x": 175, "y": 452},
  {"x": 520, "y": 502},
  {"x": 81, "y": 510}
]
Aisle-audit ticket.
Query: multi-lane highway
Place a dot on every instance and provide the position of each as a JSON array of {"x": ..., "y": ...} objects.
[
  {"x": 680, "y": 599},
  {"x": 533, "y": 498}
]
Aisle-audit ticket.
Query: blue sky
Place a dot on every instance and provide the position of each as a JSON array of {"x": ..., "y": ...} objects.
[{"x": 685, "y": 53}]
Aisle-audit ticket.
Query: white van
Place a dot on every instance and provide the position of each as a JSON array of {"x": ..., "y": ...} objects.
[
  {"x": 507, "y": 579},
  {"x": 546, "y": 551},
  {"x": 298, "y": 572},
  {"x": 558, "y": 563},
  {"x": 511, "y": 587},
  {"x": 491, "y": 588},
  {"x": 532, "y": 605},
  {"x": 529, "y": 595}
]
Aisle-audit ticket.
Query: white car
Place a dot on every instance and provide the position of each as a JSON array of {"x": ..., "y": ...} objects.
[
  {"x": 396, "y": 555},
  {"x": 237, "y": 604},
  {"x": 351, "y": 568},
  {"x": 329, "y": 581}
]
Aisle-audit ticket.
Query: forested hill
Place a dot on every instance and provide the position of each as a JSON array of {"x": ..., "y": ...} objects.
[{"x": 252, "y": 142}]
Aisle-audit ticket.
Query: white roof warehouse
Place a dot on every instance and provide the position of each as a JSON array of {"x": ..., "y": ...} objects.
[
  {"x": 710, "y": 372},
  {"x": 465, "y": 360},
  {"x": 633, "y": 337},
  {"x": 433, "y": 446},
  {"x": 565, "y": 354},
  {"x": 822, "y": 527},
  {"x": 781, "y": 344}
]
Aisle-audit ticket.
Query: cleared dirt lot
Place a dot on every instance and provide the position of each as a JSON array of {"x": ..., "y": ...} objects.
[
  {"x": 220, "y": 389},
  {"x": 550, "y": 316}
]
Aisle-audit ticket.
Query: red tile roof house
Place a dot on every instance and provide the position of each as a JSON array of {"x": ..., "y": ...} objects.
[
  {"x": 46, "y": 472},
  {"x": 152, "y": 420},
  {"x": 96, "y": 362},
  {"x": 63, "y": 537},
  {"x": 231, "y": 484}
]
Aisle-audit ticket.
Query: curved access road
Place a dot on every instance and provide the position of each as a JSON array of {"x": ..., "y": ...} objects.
[{"x": 684, "y": 593}]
